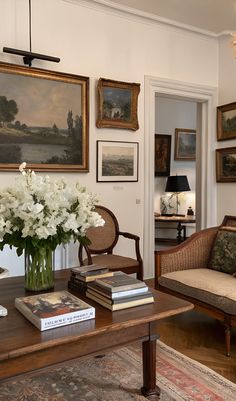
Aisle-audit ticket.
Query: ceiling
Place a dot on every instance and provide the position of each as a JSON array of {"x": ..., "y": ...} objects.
[{"x": 216, "y": 16}]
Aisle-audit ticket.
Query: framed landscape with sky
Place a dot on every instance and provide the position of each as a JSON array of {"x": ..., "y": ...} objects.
[
  {"x": 185, "y": 144},
  {"x": 43, "y": 119},
  {"x": 117, "y": 104},
  {"x": 226, "y": 121},
  {"x": 117, "y": 161}
]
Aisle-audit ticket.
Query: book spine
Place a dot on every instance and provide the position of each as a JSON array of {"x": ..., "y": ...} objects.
[
  {"x": 125, "y": 287},
  {"x": 77, "y": 286},
  {"x": 64, "y": 320},
  {"x": 118, "y": 294}
]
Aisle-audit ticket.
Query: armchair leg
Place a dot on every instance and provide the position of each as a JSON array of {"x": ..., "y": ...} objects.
[
  {"x": 140, "y": 275},
  {"x": 227, "y": 324}
]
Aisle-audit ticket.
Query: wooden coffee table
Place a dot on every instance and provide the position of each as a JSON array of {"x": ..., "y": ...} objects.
[{"x": 23, "y": 348}]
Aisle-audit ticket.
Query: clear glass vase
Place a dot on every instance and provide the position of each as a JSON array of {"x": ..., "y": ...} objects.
[{"x": 39, "y": 270}]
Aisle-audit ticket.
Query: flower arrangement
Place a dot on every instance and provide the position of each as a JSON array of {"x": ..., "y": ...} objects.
[{"x": 37, "y": 214}]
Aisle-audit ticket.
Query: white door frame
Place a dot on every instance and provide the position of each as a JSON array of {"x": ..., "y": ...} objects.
[{"x": 207, "y": 96}]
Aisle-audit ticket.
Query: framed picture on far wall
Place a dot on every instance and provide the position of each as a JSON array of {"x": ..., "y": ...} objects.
[
  {"x": 117, "y": 104},
  {"x": 117, "y": 161},
  {"x": 185, "y": 144},
  {"x": 162, "y": 155},
  {"x": 226, "y": 165},
  {"x": 226, "y": 122}
]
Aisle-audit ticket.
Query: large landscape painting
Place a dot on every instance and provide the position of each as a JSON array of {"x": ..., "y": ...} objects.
[{"x": 43, "y": 119}]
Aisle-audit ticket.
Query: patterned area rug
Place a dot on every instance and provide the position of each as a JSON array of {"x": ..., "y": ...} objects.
[{"x": 117, "y": 376}]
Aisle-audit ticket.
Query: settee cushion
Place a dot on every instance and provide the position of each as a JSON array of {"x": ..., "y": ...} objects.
[
  {"x": 223, "y": 256},
  {"x": 209, "y": 286}
]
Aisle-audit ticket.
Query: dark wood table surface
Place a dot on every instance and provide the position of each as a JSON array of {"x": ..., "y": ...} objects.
[{"x": 24, "y": 348}]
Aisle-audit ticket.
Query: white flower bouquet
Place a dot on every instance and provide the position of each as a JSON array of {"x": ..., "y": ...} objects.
[{"x": 37, "y": 214}]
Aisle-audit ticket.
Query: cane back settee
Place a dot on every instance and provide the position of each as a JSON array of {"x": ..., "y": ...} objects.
[{"x": 186, "y": 271}]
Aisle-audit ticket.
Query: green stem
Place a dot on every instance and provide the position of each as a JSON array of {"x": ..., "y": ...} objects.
[{"x": 39, "y": 274}]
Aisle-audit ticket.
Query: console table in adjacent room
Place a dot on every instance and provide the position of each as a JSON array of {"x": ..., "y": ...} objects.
[{"x": 180, "y": 224}]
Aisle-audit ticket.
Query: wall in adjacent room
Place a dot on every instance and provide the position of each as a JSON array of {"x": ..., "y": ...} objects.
[
  {"x": 226, "y": 192},
  {"x": 98, "y": 42},
  {"x": 172, "y": 113}
]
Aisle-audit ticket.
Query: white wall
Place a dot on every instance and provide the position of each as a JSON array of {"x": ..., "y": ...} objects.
[
  {"x": 226, "y": 192},
  {"x": 98, "y": 42}
]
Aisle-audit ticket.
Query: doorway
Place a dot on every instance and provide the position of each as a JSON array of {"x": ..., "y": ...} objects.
[{"x": 205, "y": 97}]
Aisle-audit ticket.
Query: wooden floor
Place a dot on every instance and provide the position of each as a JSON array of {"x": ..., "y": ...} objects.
[{"x": 200, "y": 337}]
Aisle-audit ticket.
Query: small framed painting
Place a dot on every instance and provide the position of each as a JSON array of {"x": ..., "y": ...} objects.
[
  {"x": 185, "y": 144},
  {"x": 117, "y": 161},
  {"x": 226, "y": 122},
  {"x": 162, "y": 155},
  {"x": 226, "y": 165},
  {"x": 117, "y": 104}
]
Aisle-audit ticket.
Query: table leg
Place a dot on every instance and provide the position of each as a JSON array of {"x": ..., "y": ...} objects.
[
  {"x": 149, "y": 370},
  {"x": 179, "y": 229}
]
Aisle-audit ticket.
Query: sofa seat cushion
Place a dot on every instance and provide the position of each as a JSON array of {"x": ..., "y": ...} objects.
[{"x": 209, "y": 286}]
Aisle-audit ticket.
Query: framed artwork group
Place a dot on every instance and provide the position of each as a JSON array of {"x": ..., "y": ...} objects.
[
  {"x": 44, "y": 121},
  {"x": 226, "y": 157}
]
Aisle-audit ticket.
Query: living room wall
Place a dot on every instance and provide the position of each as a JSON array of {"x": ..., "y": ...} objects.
[
  {"x": 226, "y": 192},
  {"x": 97, "y": 41}
]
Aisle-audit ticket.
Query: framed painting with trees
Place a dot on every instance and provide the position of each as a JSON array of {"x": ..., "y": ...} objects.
[
  {"x": 117, "y": 104},
  {"x": 43, "y": 119},
  {"x": 226, "y": 121}
]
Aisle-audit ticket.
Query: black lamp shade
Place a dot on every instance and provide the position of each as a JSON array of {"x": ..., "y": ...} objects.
[{"x": 177, "y": 183}]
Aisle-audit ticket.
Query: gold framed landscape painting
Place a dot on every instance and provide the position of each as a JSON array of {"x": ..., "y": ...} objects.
[
  {"x": 185, "y": 144},
  {"x": 117, "y": 104},
  {"x": 226, "y": 122},
  {"x": 117, "y": 161},
  {"x": 43, "y": 119},
  {"x": 226, "y": 164}
]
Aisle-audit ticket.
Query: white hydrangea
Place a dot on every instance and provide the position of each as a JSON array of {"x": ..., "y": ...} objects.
[{"x": 38, "y": 208}]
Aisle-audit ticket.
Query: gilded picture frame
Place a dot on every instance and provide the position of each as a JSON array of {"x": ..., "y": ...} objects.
[
  {"x": 185, "y": 144},
  {"x": 117, "y": 161},
  {"x": 117, "y": 104},
  {"x": 226, "y": 164},
  {"x": 226, "y": 122},
  {"x": 44, "y": 119}
]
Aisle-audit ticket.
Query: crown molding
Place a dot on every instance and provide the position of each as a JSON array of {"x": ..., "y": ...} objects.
[{"x": 142, "y": 16}]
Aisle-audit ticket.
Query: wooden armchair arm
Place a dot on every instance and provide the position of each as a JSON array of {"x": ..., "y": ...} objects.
[
  {"x": 136, "y": 239},
  {"x": 193, "y": 253}
]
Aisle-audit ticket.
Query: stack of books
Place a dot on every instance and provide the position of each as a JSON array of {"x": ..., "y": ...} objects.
[
  {"x": 118, "y": 292},
  {"x": 54, "y": 309},
  {"x": 81, "y": 276}
]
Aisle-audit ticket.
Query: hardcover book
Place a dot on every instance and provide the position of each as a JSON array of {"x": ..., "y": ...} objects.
[
  {"x": 122, "y": 305},
  {"x": 118, "y": 294},
  {"x": 93, "y": 277},
  {"x": 89, "y": 269},
  {"x": 54, "y": 309},
  {"x": 120, "y": 282},
  {"x": 111, "y": 301}
]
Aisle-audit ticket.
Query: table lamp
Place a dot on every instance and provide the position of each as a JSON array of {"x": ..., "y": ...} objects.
[{"x": 177, "y": 184}]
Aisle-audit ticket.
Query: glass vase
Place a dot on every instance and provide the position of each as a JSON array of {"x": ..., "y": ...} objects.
[{"x": 39, "y": 270}]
